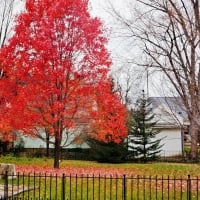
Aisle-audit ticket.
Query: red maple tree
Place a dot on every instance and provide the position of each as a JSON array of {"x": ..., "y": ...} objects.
[{"x": 56, "y": 55}]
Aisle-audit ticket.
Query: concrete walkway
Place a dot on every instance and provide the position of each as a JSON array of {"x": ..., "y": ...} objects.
[{"x": 13, "y": 190}]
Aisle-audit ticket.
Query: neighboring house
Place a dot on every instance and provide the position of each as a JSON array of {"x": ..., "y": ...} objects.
[
  {"x": 70, "y": 141},
  {"x": 173, "y": 124}
]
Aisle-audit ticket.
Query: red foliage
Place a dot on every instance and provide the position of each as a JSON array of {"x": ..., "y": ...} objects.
[
  {"x": 109, "y": 115},
  {"x": 57, "y": 53},
  {"x": 79, "y": 171},
  {"x": 53, "y": 59},
  {"x": 54, "y": 65},
  {"x": 6, "y": 113}
]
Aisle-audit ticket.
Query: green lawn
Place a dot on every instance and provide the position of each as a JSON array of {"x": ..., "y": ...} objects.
[
  {"x": 155, "y": 168},
  {"x": 89, "y": 187}
]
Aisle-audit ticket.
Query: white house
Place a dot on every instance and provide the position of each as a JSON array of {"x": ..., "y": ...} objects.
[
  {"x": 70, "y": 140},
  {"x": 172, "y": 122}
]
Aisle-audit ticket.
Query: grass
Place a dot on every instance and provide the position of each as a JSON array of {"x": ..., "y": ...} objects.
[
  {"x": 157, "y": 168},
  {"x": 90, "y": 187}
]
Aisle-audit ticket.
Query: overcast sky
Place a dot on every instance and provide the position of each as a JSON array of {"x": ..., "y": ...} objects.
[{"x": 122, "y": 50}]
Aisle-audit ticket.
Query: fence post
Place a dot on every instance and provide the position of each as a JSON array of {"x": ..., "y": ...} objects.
[
  {"x": 124, "y": 187},
  {"x": 189, "y": 195},
  {"x": 6, "y": 185},
  {"x": 63, "y": 186}
]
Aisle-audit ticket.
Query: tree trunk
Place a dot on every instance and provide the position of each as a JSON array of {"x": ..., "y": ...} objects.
[
  {"x": 57, "y": 152},
  {"x": 47, "y": 145},
  {"x": 194, "y": 139}
]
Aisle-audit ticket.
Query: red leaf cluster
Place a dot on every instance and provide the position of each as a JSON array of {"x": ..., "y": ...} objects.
[
  {"x": 73, "y": 171},
  {"x": 109, "y": 115}
]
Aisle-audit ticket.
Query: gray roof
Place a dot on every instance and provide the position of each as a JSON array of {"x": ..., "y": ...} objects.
[
  {"x": 175, "y": 104},
  {"x": 169, "y": 106}
]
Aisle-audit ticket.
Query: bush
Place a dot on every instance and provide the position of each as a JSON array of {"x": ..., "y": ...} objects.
[{"x": 108, "y": 152}]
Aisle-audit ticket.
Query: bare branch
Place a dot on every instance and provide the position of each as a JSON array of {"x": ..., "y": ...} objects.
[{"x": 168, "y": 33}]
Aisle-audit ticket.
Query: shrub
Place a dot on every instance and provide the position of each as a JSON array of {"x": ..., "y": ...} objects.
[{"x": 108, "y": 152}]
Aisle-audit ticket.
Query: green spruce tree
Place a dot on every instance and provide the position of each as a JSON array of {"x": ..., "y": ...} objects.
[{"x": 142, "y": 142}]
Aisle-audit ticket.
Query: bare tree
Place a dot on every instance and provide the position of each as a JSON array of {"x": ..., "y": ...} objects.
[
  {"x": 168, "y": 34},
  {"x": 128, "y": 83},
  {"x": 129, "y": 79},
  {"x": 8, "y": 11}
]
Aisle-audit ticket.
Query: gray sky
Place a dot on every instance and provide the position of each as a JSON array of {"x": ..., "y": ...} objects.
[{"x": 123, "y": 51}]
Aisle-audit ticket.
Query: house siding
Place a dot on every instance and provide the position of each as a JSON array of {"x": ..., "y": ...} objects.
[{"x": 171, "y": 141}]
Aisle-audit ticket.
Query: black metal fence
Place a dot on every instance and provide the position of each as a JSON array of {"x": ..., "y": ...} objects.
[{"x": 73, "y": 187}]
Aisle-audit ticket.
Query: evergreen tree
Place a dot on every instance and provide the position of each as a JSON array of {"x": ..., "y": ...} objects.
[{"x": 141, "y": 140}]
